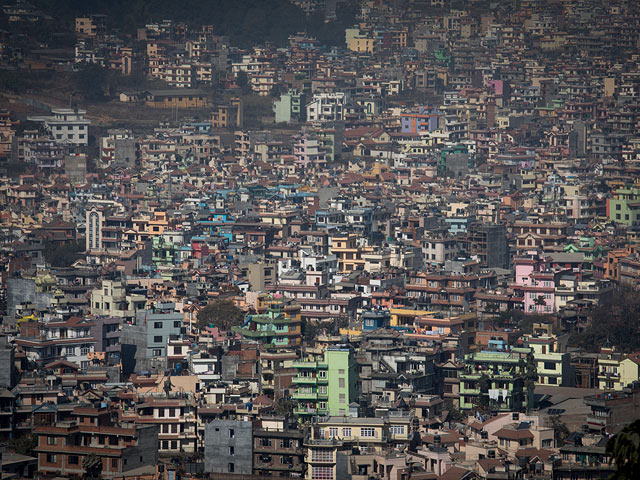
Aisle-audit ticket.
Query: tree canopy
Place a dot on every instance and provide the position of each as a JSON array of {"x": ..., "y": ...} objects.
[
  {"x": 221, "y": 313},
  {"x": 624, "y": 449},
  {"x": 616, "y": 322},
  {"x": 246, "y": 22}
]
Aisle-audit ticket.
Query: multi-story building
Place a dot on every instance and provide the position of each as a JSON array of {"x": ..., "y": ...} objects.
[
  {"x": 495, "y": 379},
  {"x": 277, "y": 448},
  {"x": 63, "y": 446},
  {"x": 228, "y": 447},
  {"x": 327, "y": 107},
  {"x": 326, "y": 386},
  {"x": 554, "y": 367},
  {"x": 174, "y": 417},
  {"x": 67, "y": 125},
  {"x": 279, "y": 326},
  {"x": 144, "y": 343}
]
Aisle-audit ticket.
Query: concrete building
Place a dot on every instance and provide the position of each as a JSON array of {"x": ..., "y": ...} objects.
[
  {"x": 228, "y": 447},
  {"x": 290, "y": 107},
  {"x": 67, "y": 125},
  {"x": 7, "y": 372},
  {"x": 144, "y": 343},
  {"x": 327, "y": 386}
]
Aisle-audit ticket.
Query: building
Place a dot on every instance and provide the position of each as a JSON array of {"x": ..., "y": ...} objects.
[
  {"x": 327, "y": 386},
  {"x": 612, "y": 411},
  {"x": 277, "y": 325},
  {"x": 93, "y": 232},
  {"x": 277, "y": 448},
  {"x": 63, "y": 446},
  {"x": 144, "y": 343},
  {"x": 554, "y": 367},
  {"x": 495, "y": 379},
  {"x": 67, "y": 125},
  {"x": 228, "y": 447},
  {"x": 290, "y": 107},
  {"x": 179, "y": 98}
]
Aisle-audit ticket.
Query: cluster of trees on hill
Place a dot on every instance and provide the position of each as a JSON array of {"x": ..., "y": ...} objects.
[{"x": 246, "y": 22}]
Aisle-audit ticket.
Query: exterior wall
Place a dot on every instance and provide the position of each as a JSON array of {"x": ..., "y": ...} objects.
[
  {"x": 343, "y": 380},
  {"x": 220, "y": 435}
]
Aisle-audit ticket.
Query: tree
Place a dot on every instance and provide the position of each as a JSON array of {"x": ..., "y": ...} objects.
[
  {"x": 616, "y": 320},
  {"x": 530, "y": 370},
  {"x": 92, "y": 465},
  {"x": 24, "y": 444},
  {"x": 560, "y": 430},
  {"x": 624, "y": 449},
  {"x": 62, "y": 255},
  {"x": 284, "y": 406},
  {"x": 222, "y": 313}
]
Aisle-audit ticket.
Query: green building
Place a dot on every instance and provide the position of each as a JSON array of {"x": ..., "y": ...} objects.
[
  {"x": 495, "y": 379},
  {"x": 290, "y": 108},
  {"x": 274, "y": 328},
  {"x": 327, "y": 387},
  {"x": 163, "y": 252},
  {"x": 624, "y": 206}
]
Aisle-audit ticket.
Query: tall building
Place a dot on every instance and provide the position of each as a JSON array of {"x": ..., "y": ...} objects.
[
  {"x": 93, "y": 240},
  {"x": 489, "y": 242},
  {"x": 144, "y": 344},
  {"x": 327, "y": 386},
  {"x": 228, "y": 447}
]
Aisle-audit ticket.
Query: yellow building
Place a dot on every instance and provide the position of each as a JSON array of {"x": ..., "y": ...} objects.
[
  {"x": 362, "y": 44},
  {"x": 349, "y": 254},
  {"x": 406, "y": 316},
  {"x": 616, "y": 371}
]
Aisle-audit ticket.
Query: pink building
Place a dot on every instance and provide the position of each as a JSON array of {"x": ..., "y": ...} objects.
[{"x": 535, "y": 282}]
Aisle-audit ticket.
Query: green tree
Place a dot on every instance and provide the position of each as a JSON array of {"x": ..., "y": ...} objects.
[
  {"x": 624, "y": 449},
  {"x": 529, "y": 368},
  {"x": 560, "y": 430},
  {"x": 616, "y": 320},
  {"x": 62, "y": 255},
  {"x": 24, "y": 444},
  {"x": 222, "y": 313},
  {"x": 92, "y": 465}
]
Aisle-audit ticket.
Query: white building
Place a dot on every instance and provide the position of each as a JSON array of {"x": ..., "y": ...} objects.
[
  {"x": 67, "y": 125},
  {"x": 327, "y": 107}
]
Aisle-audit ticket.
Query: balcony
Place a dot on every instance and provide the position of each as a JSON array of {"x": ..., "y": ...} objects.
[
  {"x": 305, "y": 411},
  {"x": 305, "y": 396},
  {"x": 305, "y": 380}
]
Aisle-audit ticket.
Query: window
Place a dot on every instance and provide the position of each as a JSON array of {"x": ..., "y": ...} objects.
[
  {"x": 73, "y": 460},
  {"x": 265, "y": 442},
  {"x": 333, "y": 432},
  {"x": 157, "y": 339},
  {"x": 157, "y": 324},
  {"x": 52, "y": 441},
  {"x": 322, "y": 455},
  {"x": 51, "y": 458},
  {"x": 367, "y": 432},
  {"x": 176, "y": 324},
  {"x": 286, "y": 443},
  {"x": 549, "y": 365},
  {"x": 114, "y": 463},
  {"x": 341, "y": 371},
  {"x": 397, "y": 429},
  {"x": 342, "y": 398},
  {"x": 553, "y": 381},
  {"x": 231, "y": 468},
  {"x": 232, "y": 433},
  {"x": 341, "y": 382},
  {"x": 157, "y": 352},
  {"x": 321, "y": 473},
  {"x": 346, "y": 432}
]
